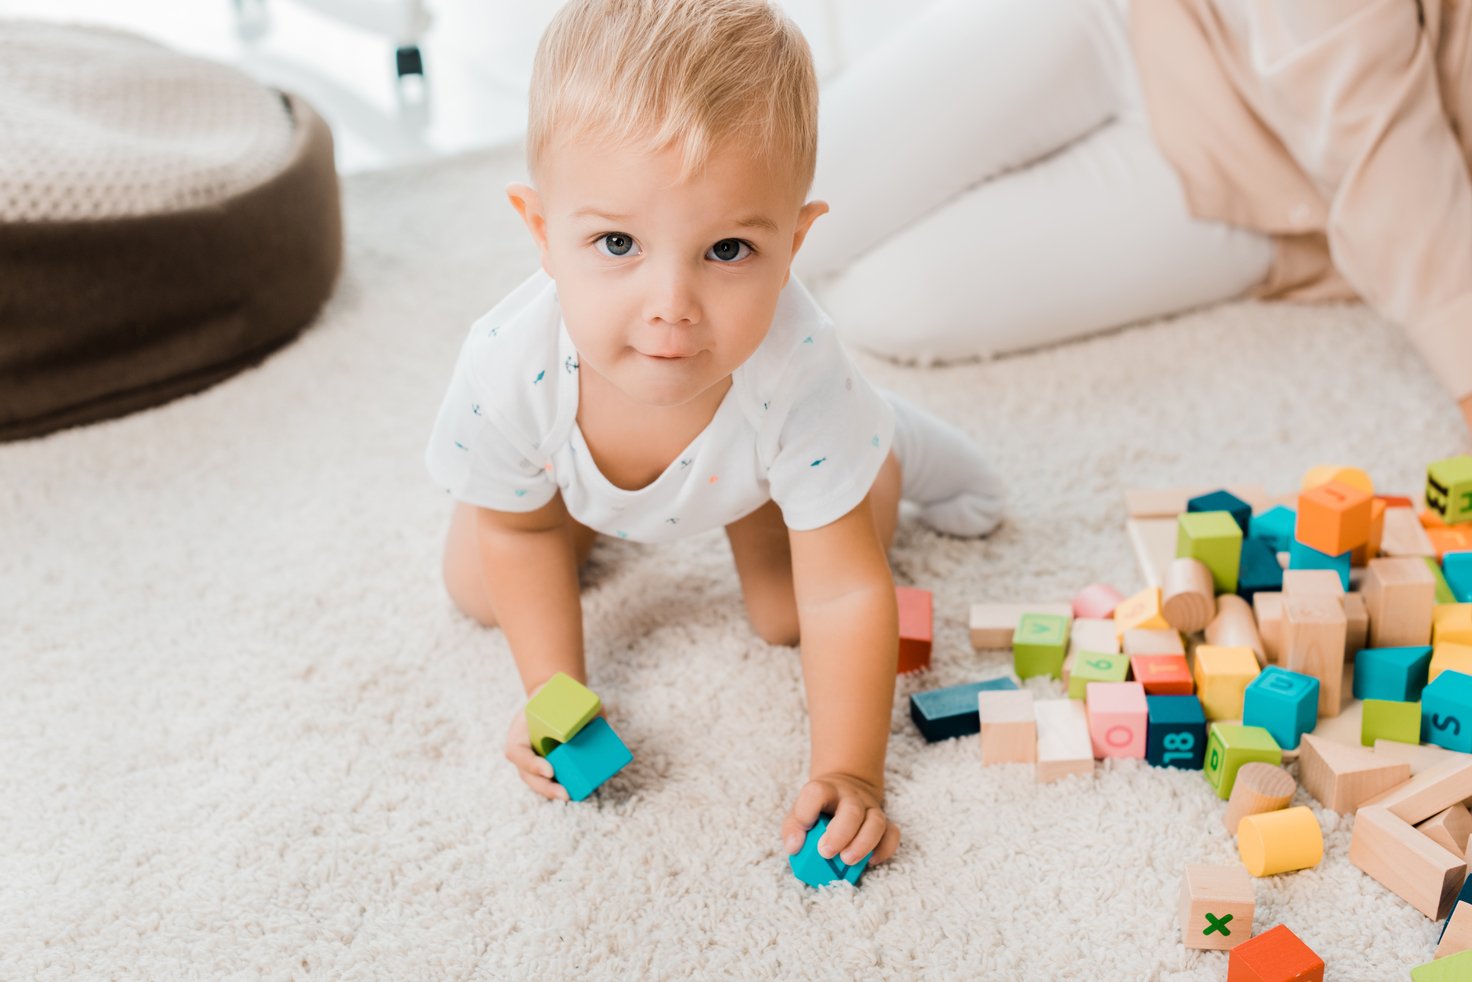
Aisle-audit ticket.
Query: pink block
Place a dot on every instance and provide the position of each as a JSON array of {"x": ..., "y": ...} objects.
[
  {"x": 1118, "y": 715},
  {"x": 1096, "y": 600}
]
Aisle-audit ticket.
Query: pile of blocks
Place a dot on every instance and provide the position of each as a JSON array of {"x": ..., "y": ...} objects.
[{"x": 563, "y": 724}]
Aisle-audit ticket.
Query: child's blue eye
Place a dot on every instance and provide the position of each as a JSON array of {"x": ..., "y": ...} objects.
[{"x": 728, "y": 251}]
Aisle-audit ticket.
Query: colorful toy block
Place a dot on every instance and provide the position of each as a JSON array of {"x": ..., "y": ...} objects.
[
  {"x": 1457, "y": 568},
  {"x": 1453, "y": 968},
  {"x": 1301, "y": 556},
  {"x": 809, "y": 865},
  {"x": 1314, "y": 634},
  {"x": 1362, "y": 554},
  {"x": 993, "y": 625},
  {"x": 1274, "y": 527},
  {"x": 1342, "y": 777},
  {"x": 1118, "y": 718},
  {"x": 1283, "y": 702},
  {"x": 1400, "y": 595},
  {"x": 1142, "y": 610},
  {"x": 1163, "y": 675},
  {"x": 1449, "y": 489},
  {"x": 1280, "y": 841},
  {"x": 1215, "y": 538},
  {"x": 1175, "y": 732},
  {"x": 1039, "y": 644},
  {"x": 1449, "y": 655},
  {"x": 917, "y": 628},
  {"x": 1324, "y": 473},
  {"x": 1259, "y": 572},
  {"x": 1240, "y": 510},
  {"x": 1229, "y": 746},
  {"x": 1275, "y": 955},
  {"x": 1333, "y": 518},
  {"x": 1222, "y": 674},
  {"x": 592, "y": 756},
  {"x": 1312, "y": 583},
  {"x": 1064, "y": 746},
  {"x": 1268, "y": 609},
  {"x": 1009, "y": 732},
  {"x": 1451, "y": 622},
  {"x": 1096, "y": 666},
  {"x": 559, "y": 709},
  {"x": 1259, "y": 788},
  {"x": 1096, "y": 601},
  {"x": 1404, "y": 534},
  {"x": 1464, "y": 897},
  {"x": 1398, "y": 674},
  {"x": 951, "y": 712},
  {"x": 1446, "y": 711},
  {"x": 1216, "y": 907},
  {"x": 1385, "y": 719},
  {"x": 1444, "y": 593},
  {"x": 1089, "y": 634},
  {"x": 1456, "y": 933}
]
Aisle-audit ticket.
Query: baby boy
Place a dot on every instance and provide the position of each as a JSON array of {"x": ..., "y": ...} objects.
[{"x": 663, "y": 374}]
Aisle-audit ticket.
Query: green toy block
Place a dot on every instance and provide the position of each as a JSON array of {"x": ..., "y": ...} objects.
[
  {"x": 558, "y": 710},
  {"x": 1215, "y": 538},
  {"x": 1096, "y": 666},
  {"x": 1444, "y": 593},
  {"x": 1449, "y": 489},
  {"x": 1229, "y": 746},
  {"x": 1039, "y": 645},
  {"x": 1387, "y": 720},
  {"x": 1452, "y": 968}
]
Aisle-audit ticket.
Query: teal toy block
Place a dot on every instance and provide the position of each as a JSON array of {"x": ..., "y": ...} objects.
[
  {"x": 1301, "y": 556},
  {"x": 1175, "y": 734},
  {"x": 1449, "y": 489},
  {"x": 953, "y": 711},
  {"x": 1226, "y": 501},
  {"x": 1215, "y": 538},
  {"x": 1260, "y": 572},
  {"x": 814, "y": 870},
  {"x": 592, "y": 756},
  {"x": 1284, "y": 703},
  {"x": 1387, "y": 720},
  {"x": 1396, "y": 674},
  {"x": 1275, "y": 527},
  {"x": 1446, "y": 711},
  {"x": 1096, "y": 666},
  {"x": 559, "y": 709},
  {"x": 1229, "y": 746},
  {"x": 1457, "y": 568},
  {"x": 1444, "y": 593},
  {"x": 1039, "y": 645}
]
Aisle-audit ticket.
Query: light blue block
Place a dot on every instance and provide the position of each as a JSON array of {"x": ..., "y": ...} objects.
[
  {"x": 592, "y": 756},
  {"x": 1457, "y": 568},
  {"x": 1284, "y": 703},
  {"x": 1446, "y": 712},
  {"x": 814, "y": 870},
  {"x": 1394, "y": 674},
  {"x": 1274, "y": 526},
  {"x": 1301, "y": 556}
]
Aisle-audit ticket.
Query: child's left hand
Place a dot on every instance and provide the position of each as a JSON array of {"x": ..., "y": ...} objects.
[{"x": 858, "y": 823}]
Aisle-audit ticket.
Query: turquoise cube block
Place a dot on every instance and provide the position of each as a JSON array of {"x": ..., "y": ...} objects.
[
  {"x": 814, "y": 870},
  {"x": 1275, "y": 527},
  {"x": 1284, "y": 703},
  {"x": 1393, "y": 674},
  {"x": 592, "y": 756},
  {"x": 1301, "y": 556},
  {"x": 1457, "y": 568},
  {"x": 1446, "y": 711}
]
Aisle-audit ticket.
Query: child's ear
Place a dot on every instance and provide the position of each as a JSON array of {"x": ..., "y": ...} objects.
[
  {"x": 528, "y": 204},
  {"x": 805, "y": 219}
]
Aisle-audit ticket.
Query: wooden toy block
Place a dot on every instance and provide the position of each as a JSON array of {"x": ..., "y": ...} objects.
[
  {"x": 1427, "y": 793},
  {"x": 1362, "y": 554},
  {"x": 1118, "y": 718},
  {"x": 1385, "y": 719},
  {"x": 1324, "y": 473},
  {"x": 1064, "y": 746},
  {"x": 1406, "y": 862},
  {"x": 1009, "y": 732},
  {"x": 1220, "y": 500},
  {"x": 1096, "y": 666},
  {"x": 1154, "y": 543},
  {"x": 1089, "y": 634},
  {"x": 917, "y": 628},
  {"x": 952, "y": 711},
  {"x": 1175, "y": 732},
  {"x": 1140, "y": 611},
  {"x": 1456, "y": 934},
  {"x": 1274, "y": 527},
  {"x": 1234, "y": 627},
  {"x": 1097, "y": 600},
  {"x": 1449, "y": 488},
  {"x": 1276, "y": 955},
  {"x": 1259, "y": 788},
  {"x": 1454, "y": 968},
  {"x": 1283, "y": 702},
  {"x": 1333, "y": 518},
  {"x": 1450, "y": 827},
  {"x": 1356, "y": 624},
  {"x": 1314, "y": 629},
  {"x": 1216, "y": 907},
  {"x": 992, "y": 625},
  {"x": 813, "y": 869},
  {"x": 1399, "y": 594},
  {"x": 1342, "y": 777},
  {"x": 1280, "y": 841},
  {"x": 1215, "y": 538},
  {"x": 1139, "y": 641},
  {"x": 1039, "y": 644},
  {"x": 1268, "y": 609},
  {"x": 1404, "y": 534},
  {"x": 1312, "y": 583},
  {"x": 1456, "y": 567},
  {"x": 1188, "y": 595},
  {"x": 561, "y": 708},
  {"x": 1420, "y": 756},
  {"x": 592, "y": 756},
  {"x": 1222, "y": 674},
  {"x": 1229, "y": 746},
  {"x": 1446, "y": 711},
  {"x": 1170, "y": 502},
  {"x": 1451, "y": 622},
  {"x": 1260, "y": 571},
  {"x": 1301, "y": 556},
  {"x": 1449, "y": 656},
  {"x": 1397, "y": 674},
  {"x": 1163, "y": 675}
]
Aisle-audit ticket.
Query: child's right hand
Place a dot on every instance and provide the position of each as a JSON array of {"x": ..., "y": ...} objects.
[{"x": 534, "y": 770}]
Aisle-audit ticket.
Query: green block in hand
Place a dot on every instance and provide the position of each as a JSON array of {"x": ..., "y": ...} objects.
[{"x": 558, "y": 710}]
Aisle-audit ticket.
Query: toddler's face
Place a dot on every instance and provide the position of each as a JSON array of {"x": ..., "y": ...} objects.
[{"x": 665, "y": 272}]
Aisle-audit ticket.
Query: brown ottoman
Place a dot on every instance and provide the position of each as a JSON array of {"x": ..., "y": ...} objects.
[{"x": 165, "y": 222}]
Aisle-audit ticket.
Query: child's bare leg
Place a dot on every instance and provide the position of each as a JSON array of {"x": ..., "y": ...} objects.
[
  {"x": 461, "y": 565},
  {"x": 763, "y": 555}
]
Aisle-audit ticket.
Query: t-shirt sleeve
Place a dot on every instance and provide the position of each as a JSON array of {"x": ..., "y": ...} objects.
[{"x": 834, "y": 435}]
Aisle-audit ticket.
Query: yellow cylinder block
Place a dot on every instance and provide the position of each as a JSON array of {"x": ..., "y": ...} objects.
[{"x": 1279, "y": 841}]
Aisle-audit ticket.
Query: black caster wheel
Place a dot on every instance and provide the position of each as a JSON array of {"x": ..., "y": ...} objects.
[{"x": 409, "y": 61}]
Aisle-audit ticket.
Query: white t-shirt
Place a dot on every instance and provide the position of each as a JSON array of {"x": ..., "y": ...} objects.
[{"x": 799, "y": 425}]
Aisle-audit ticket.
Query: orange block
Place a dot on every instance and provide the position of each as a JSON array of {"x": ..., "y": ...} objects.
[
  {"x": 1163, "y": 675},
  {"x": 1449, "y": 538},
  {"x": 1361, "y": 555},
  {"x": 1430, "y": 519},
  {"x": 1334, "y": 518},
  {"x": 1274, "y": 956},
  {"x": 1395, "y": 500},
  {"x": 916, "y": 628}
]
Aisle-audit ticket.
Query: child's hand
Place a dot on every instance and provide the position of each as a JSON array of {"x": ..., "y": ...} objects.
[
  {"x": 857, "y": 826},
  {"x": 1467, "y": 411},
  {"x": 534, "y": 769}
]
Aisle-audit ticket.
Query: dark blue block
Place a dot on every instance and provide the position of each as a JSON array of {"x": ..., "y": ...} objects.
[
  {"x": 1259, "y": 570},
  {"x": 1465, "y": 896},
  {"x": 592, "y": 756},
  {"x": 1275, "y": 527},
  {"x": 952, "y": 711},
  {"x": 1240, "y": 510},
  {"x": 1175, "y": 735}
]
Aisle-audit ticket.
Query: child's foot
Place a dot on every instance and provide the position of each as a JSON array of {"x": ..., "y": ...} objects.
[{"x": 944, "y": 473}]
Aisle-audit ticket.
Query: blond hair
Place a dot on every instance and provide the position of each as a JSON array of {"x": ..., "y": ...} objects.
[{"x": 645, "y": 75}]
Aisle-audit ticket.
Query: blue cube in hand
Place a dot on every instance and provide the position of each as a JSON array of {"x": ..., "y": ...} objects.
[
  {"x": 592, "y": 756},
  {"x": 1283, "y": 702},
  {"x": 814, "y": 870}
]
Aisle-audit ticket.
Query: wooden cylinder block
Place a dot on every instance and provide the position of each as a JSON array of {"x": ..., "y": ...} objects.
[
  {"x": 1188, "y": 597},
  {"x": 1280, "y": 841},
  {"x": 1259, "y": 788},
  {"x": 1097, "y": 600},
  {"x": 1234, "y": 626}
]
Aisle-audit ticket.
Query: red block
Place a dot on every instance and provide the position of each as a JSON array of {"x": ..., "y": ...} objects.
[
  {"x": 916, "y": 628},
  {"x": 1275, "y": 956},
  {"x": 1163, "y": 675}
]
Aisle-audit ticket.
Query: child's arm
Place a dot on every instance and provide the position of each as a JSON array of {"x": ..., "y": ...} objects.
[{"x": 848, "y": 620}]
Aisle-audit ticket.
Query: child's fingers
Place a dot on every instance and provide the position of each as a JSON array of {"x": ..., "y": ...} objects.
[
  {"x": 544, "y": 787},
  {"x": 814, "y": 797},
  {"x": 866, "y": 838},
  {"x": 842, "y": 827},
  {"x": 887, "y": 845}
]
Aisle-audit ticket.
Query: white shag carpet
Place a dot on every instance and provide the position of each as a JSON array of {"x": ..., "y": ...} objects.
[{"x": 245, "y": 734}]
